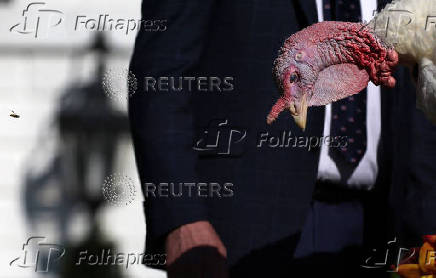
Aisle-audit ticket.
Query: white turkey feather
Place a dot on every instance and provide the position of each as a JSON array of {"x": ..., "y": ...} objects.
[{"x": 410, "y": 27}]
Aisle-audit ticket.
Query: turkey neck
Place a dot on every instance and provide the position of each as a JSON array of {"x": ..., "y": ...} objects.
[{"x": 352, "y": 43}]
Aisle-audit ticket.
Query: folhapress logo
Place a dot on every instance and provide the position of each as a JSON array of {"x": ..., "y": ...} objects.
[
  {"x": 37, "y": 20},
  {"x": 39, "y": 255},
  {"x": 220, "y": 139}
]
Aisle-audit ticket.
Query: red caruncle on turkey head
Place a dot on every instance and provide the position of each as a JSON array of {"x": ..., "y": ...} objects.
[
  {"x": 295, "y": 77},
  {"x": 326, "y": 62}
]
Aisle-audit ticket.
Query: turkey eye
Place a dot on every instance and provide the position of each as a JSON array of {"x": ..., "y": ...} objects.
[{"x": 293, "y": 78}]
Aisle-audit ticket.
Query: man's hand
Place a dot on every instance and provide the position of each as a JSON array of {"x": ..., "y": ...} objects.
[{"x": 195, "y": 250}]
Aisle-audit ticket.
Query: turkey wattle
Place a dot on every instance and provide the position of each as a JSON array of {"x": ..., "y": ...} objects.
[{"x": 329, "y": 61}]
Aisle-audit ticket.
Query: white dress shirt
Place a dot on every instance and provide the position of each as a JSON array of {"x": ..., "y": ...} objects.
[{"x": 365, "y": 174}]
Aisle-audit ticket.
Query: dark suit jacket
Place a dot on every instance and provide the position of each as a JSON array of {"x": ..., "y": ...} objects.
[
  {"x": 272, "y": 186},
  {"x": 409, "y": 164}
]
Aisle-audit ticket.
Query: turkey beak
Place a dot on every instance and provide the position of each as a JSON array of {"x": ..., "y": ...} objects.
[{"x": 299, "y": 112}]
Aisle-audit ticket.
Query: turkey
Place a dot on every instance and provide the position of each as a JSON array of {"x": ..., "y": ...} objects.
[{"x": 329, "y": 61}]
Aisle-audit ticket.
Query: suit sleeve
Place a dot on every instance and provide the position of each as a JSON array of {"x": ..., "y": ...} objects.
[{"x": 162, "y": 122}]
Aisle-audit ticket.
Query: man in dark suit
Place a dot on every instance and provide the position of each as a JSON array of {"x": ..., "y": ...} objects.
[
  {"x": 254, "y": 232},
  {"x": 259, "y": 225}
]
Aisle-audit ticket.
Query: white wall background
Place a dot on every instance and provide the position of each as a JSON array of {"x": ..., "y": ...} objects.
[{"x": 32, "y": 78}]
